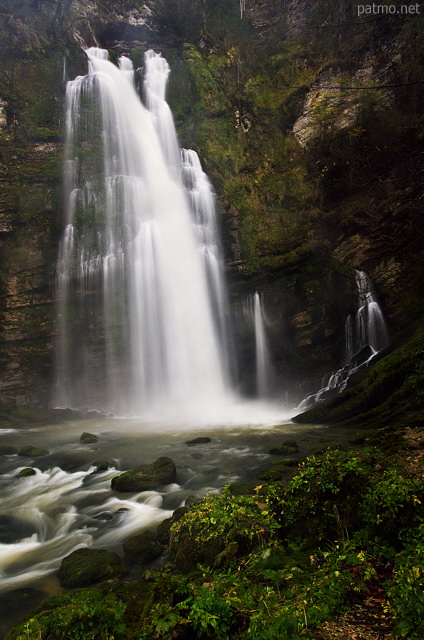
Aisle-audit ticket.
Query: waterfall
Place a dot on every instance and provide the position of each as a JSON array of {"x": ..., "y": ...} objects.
[
  {"x": 139, "y": 274},
  {"x": 365, "y": 335},
  {"x": 254, "y": 311},
  {"x": 370, "y": 324}
]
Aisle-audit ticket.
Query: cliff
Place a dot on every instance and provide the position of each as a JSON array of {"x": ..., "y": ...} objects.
[{"x": 307, "y": 119}]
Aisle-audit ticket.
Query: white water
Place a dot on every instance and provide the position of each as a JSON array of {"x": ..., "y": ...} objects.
[
  {"x": 367, "y": 328},
  {"x": 255, "y": 313},
  {"x": 142, "y": 309},
  {"x": 56, "y": 511}
]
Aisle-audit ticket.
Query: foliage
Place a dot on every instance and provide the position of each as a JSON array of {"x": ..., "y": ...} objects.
[
  {"x": 220, "y": 526},
  {"x": 406, "y": 592},
  {"x": 391, "y": 497},
  {"x": 80, "y": 615}
]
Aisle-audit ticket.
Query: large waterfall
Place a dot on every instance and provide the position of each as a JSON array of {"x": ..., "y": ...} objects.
[{"x": 142, "y": 315}]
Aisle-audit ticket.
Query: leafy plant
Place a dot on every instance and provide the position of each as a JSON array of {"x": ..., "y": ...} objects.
[{"x": 406, "y": 592}]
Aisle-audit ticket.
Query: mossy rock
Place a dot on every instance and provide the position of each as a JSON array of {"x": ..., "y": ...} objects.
[
  {"x": 88, "y": 438},
  {"x": 7, "y": 450},
  {"x": 142, "y": 548},
  {"x": 289, "y": 462},
  {"x": 200, "y": 440},
  {"x": 32, "y": 452},
  {"x": 147, "y": 477},
  {"x": 28, "y": 471},
  {"x": 101, "y": 465},
  {"x": 242, "y": 488},
  {"x": 88, "y": 566},
  {"x": 274, "y": 474},
  {"x": 163, "y": 530},
  {"x": 283, "y": 450},
  {"x": 291, "y": 443},
  {"x": 358, "y": 438}
]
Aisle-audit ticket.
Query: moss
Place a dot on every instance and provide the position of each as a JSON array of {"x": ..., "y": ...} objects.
[
  {"x": 391, "y": 392},
  {"x": 142, "y": 548},
  {"x": 146, "y": 477},
  {"x": 88, "y": 566},
  {"x": 7, "y": 450},
  {"x": 32, "y": 452},
  {"x": 25, "y": 473},
  {"x": 88, "y": 438}
]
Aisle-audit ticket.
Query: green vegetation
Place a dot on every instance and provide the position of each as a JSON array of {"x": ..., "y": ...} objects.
[
  {"x": 276, "y": 563},
  {"x": 390, "y": 393}
]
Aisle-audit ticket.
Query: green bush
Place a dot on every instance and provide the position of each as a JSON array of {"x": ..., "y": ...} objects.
[
  {"x": 406, "y": 592},
  {"x": 81, "y": 615}
]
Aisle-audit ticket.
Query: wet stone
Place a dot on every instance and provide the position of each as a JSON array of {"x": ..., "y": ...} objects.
[{"x": 200, "y": 440}]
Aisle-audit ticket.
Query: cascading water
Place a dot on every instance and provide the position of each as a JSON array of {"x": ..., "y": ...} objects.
[
  {"x": 365, "y": 335},
  {"x": 139, "y": 274},
  {"x": 254, "y": 311}
]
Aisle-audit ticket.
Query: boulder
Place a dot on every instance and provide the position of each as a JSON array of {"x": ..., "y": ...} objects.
[
  {"x": 163, "y": 530},
  {"x": 28, "y": 471},
  {"x": 147, "y": 477},
  {"x": 88, "y": 438},
  {"x": 283, "y": 450},
  {"x": 7, "y": 450},
  {"x": 142, "y": 548},
  {"x": 201, "y": 440},
  {"x": 89, "y": 566},
  {"x": 32, "y": 452},
  {"x": 101, "y": 465}
]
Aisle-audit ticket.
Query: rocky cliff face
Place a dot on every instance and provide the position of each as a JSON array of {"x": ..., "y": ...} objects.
[{"x": 307, "y": 120}]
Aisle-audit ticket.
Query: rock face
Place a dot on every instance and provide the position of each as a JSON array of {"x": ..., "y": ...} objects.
[
  {"x": 88, "y": 566},
  {"x": 147, "y": 477},
  {"x": 142, "y": 548}
]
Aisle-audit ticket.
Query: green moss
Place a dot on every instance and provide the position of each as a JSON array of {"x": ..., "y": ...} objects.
[
  {"x": 88, "y": 566},
  {"x": 32, "y": 452},
  {"x": 391, "y": 392},
  {"x": 146, "y": 477}
]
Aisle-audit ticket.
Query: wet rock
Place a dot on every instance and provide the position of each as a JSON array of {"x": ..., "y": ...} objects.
[
  {"x": 291, "y": 443},
  {"x": 362, "y": 356},
  {"x": 101, "y": 465},
  {"x": 7, "y": 450},
  {"x": 242, "y": 488},
  {"x": 289, "y": 462},
  {"x": 147, "y": 477},
  {"x": 200, "y": 440},
  {"x": 28, "y": 471},
  {"x": 13, "y": 529},
  {"x": 142, "y": 548},
  {"x": 163, "y": 530},
  {"x": 88, "y": 438},
  {"x": 283, "y": 450},
  {"x": 358, "y": 438},
  {"x": 88, "y": 566},
  {"x": 32, "y": 452}
]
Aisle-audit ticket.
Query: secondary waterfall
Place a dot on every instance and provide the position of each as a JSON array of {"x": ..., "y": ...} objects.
[
  {"x": 139, "y": 271},
  {"x": 365, "y": 334},
  {"x": 254, "y": 312}
]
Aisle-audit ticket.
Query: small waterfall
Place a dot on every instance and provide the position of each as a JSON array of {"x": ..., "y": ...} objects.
[
  {"x": 365, "y": 335},
  {"x": 254, "y": 311},
  {"x": 142, "y": 317},
  {"x": 370, "y": 324}
]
